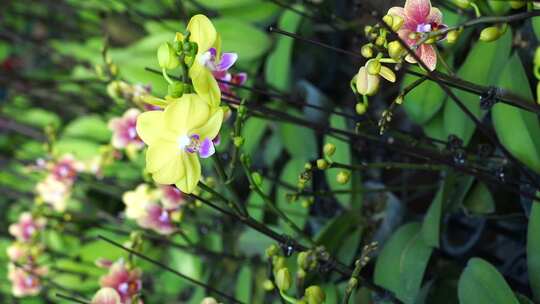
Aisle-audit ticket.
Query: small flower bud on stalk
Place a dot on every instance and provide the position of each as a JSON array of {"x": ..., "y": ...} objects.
[
  {"x": 380, "y": 41},
  {"x": 322, "y": 164},
  {"x": 343, "y": 177},
  {"x": 272, "y": 251},
  {"x": 308, "y": 166},
  {"x": 397, "y": 22},
  {"x": 493, "y": 33},
  {"x": 517, "y": 4},
  {"x": 395, "y": 50},
  {"x": 209, "y": 301},
  {"x": 238, "y": 141},
  {"x": 283, "y": 279},
  {"x": 387, "y": 74},
  {"x": 167, "y": 58},
  {"x": 257, "y": 179},
  {"x": 388, "y": 20},
  {"x": 373, "y": 66},
  {"x": 452, "y": 36},
  {"x": 268, "y": 285},
  {"x": 315, "y": 295},
  {"x": 367, "y": 30},
  {"x": 329, "y": 149},
  {"x": 367, "y": 84},
  {"x": 463, "y": 4},
  {"x": 367, "y": 51},
  {"x": 360, "y": 108}
]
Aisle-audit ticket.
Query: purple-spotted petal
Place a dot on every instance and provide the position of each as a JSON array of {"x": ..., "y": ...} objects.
[
  {"x": 207, "y": 148},
  {"x": 227, "y": 61}
]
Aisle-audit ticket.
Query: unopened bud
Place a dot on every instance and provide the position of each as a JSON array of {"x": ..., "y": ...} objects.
[
  {"x": 463, "y": 4},
  {"x": 302, "y": 259},
  {"x": 397, "y": 22},
  {"x": 388, "y": 20},
  {"x": 343, "y": 177},
  {"x": 308, "y": 166},
  {"x": 373, "y": 66},
  {"x": 452, "y": 36},
  {"x": 360, "y": 108},
  {"x": 491, "y": 33},
  {"x": 387, "y": 74},
  {"x": 367, "y": 30},
  {"x": 268, "y": 285},
  {"x": 380, "y": 41},
  {"x": 176, "y": 89},
  {"x": 167, "y": 58},
  {"x": 238, "y": 141},
  {"x": 315, "y": 295},
  {"x": 272, "y": 250},
  {"x": 209, "y": 300},
  {"x": 367, "y": 84},
  {"x": 367, "y": 51},
  {"x": 329, "y": 149},
  {"x": 399, "y": 99},
  {"x": 517, "y": 4},
  {"x": 322, "y": 164},
  {"x": 283, "y": 279},
  {"x": 395, "y": 50},
  {"x": 257, "y": 179}
]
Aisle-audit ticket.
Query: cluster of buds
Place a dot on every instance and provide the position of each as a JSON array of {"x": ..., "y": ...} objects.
[
  {"x": 122, "y": 91},
  {"x": 121, "y": 285},
  {"x": 24, "y": 271},
  {"x": 158, "y": 209},
  {"x": 306, "y": 261},
  {"x": 55, "y": 188}
]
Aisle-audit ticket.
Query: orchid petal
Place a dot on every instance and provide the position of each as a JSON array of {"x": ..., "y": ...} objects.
[
  {"x": 240, "y": 78},
  {"x": 428, "y": 56},
  {"x": 171, "y": 172},
  {"x": 106, "y": 295},
  {"x": 417, "y": 10},
  {"x": 211, "y": 128},
  {"x": 202, "y": 32},
  {"x": 205, "y": 84},
  {"x": 193, "y": 173},
  {"x": 227, "y": 61},
  {"x": 435, "y": 16},
  {"x": 207, "y": 148},
  {"x": 159, "y": 154},
  {"x": 187, "y": 112},
  {"x": 150, "y": 126}
]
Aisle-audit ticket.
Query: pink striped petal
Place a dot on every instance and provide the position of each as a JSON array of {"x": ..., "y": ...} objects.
[
  {"x": 417, "y": 10},
  {"x": 435, "y": 16},
  {"x": 428, "y": 56}
]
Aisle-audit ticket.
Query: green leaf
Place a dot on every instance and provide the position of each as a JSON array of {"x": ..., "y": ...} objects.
[
  {"x": 243, "y": 284},
  {"x": 278, "y": 65},
  {"x": 261, "y": 12},
  {"x": 333, "y": 234},
  {"x": 481, "y": 283},
  {"x": 401, "y": 264},
  {"x": 38, "y": 118},
  {"x": 299, "y": 141},
  {"x": 518, "y": 130},
  {"x": 424, "y": 101},
  {"x": 222, "y": 4},
  {"x": 243, "y": 38},
  {"x": 90, "y": 128},
  {"x": 342, "y": 155},
  {"x": 434, "y": 128},
  {"x": 533, "y": 249},
  {"x": 482, "y": 66},
  {"x": 253, "y": 131},
  {"x": 431, "y": 227},
  {"x": 80, "y": 148},
  {"x": 479, "y": 200}
]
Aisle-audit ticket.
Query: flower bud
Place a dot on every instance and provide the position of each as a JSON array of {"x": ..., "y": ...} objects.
[
  {"x": 238, "y": 141},
  {"x": 490, "y": 34},
  {"x": 395, "y": 50},
  {"x": 329, "y": 149},
  {"x": 343, "y": 177},
  {"x": 314, "y": 295},
  {"x": 283, "y": 279},
  {"x": 268, "y": 285},
  {"x": 367, "y": 51},
  {"x": 387, "y": 74},
  {"x": 380, "y": 41},
  {"x": 272, "y": 250},
  {"x": 452, "y": 36},
  {"x": 301, "y": 274},
  {"x": 308, "y": 166},
  {"x": 399, "y": 99},
  {"x": 367, "y": 84},
  {"x": 322, "y": 164},
  {"x": 373, "y": 66},
  {"x": 388, "y": 20},
  {"x": 209, "y": 300},
  {"x": 360, "y": 108},
  {"x": 302, "y": 259},
  {"x": 176, "y": 89},
  {"x": 167, "y": 58},
  {"x": 463, "y": 4},
  {"x": 367, "y": 30},
  {"x": 278, "y": 263},
  {"x": 397, "y": 22}
]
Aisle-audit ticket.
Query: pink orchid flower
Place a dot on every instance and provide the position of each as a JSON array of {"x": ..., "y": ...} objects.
[
  {"x": 220, "y": 69},
  {"x": 126, "y": 282},
  {"x": 172, "y": 197},
  {"x": 66, "y": 169},
  {"x": 26, "y": 227},
  {"x": 124, "y": 130},
  {"x": 25, "y": 282},
  {"x": 106, "y": 295},
  {"x": 419, "y": 18}
]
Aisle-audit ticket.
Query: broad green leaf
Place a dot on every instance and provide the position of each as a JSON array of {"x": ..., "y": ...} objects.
[
  {"x": 431, "y": 226},
  {"x": 533, "y": 249},
  {"x": 424, "y": 101},
  {"x": 481, "y": 283},
  {"x": 253, "y": 131},
  {"x": 333, "y": 234},
  {"x": 278, "y": 65},
  {"x": 261, "y": 12},
  {"x": 401, "y": 264},
  {"x": 243, "y": 38},
  {"x": 80, "y": 148},
  {"x": 482, "y": 66},
  {"x": 39, "y": 118},
  {"x": 299, "y": 141},
  {"x": 479, "y": 200},
  {"x": 518, "y": 130},
  {"x": 434, "y": 128},
  {"x": 243, "y": 284},
  {"x": 342, "y": 155},
  {"x": 89, "y": 127}
]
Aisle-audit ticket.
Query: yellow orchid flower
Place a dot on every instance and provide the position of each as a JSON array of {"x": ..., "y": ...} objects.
[
  {"x": 175, "y": 137},
  {"x": 203, "y": 33}
]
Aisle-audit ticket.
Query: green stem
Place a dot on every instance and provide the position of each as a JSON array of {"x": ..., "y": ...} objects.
[{"x": 388, "y": 166}]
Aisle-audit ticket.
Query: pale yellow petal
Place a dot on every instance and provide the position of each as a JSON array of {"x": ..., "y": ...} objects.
[
  {"x": 159, "y": 154},
  {"x": 171, "y": 172},
  {"x": 202, "y": 32},
  {"x": 211, "y": 128},
  {"x": 150, "y": 126},
  {"x": 186, "y": 113},
  {"x": 205, "y": 84},
  {"x": 193, "y": 174}
]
